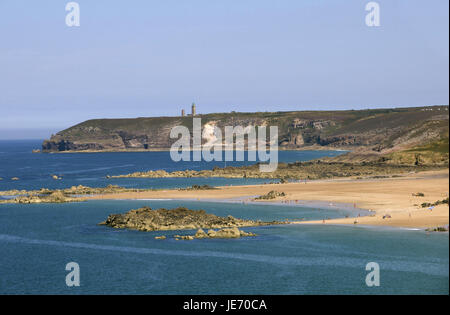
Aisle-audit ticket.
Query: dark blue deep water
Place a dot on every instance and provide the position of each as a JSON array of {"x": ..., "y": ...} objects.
[
  {"x": 91, "y": 169},
  {"x": 38, "y": 240}
]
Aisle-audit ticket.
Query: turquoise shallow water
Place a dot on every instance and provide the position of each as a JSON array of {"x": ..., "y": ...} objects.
[{"x": 37, "y": 241}]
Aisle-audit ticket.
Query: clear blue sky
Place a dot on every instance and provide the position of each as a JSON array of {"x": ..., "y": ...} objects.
[{"x": 151, "y": 58}]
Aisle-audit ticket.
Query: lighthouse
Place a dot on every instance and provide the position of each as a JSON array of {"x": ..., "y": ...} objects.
[{"x": 193, "y": 109}]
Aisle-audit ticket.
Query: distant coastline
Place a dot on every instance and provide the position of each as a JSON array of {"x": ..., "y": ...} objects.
[
  {"x": 370, "y": 132},
  {"x": 307, "y": 148}
]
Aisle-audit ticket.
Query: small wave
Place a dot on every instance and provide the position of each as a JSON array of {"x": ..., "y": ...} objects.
[
  {"x": 154, "y": 199},
  {"x": 146, "y": 199},
  {"x": 426, "y": 267},
  {"x": 96, "y": 169}
]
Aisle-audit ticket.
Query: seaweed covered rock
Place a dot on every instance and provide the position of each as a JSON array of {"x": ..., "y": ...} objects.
[
  {"x": 56, "y": 196},
  {"x": 233, "y": 232},
  {"x": 271, "y": 195},
  {"x": 146, "y": 219}
]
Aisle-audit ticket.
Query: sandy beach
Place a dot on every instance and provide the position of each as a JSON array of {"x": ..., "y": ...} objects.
[{"x": 390, "y": 196}]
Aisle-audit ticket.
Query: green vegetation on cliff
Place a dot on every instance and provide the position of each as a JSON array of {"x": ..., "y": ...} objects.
[{"x": 376, "y": 131}]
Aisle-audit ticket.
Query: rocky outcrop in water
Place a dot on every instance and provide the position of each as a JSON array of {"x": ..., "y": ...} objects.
[
  {"x": 55, "y": 197},
  {"x": 74, "y": 190},
  {"x": 146, "y": 219},
  {"x": 438, "y": 229},
  {"x": 319, "y": 169},
  {"x": 233, "y": 232}
]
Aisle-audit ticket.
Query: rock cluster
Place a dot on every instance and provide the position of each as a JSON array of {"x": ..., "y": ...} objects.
[
  {"x": 233, "y": 232},
  {"x": 146, "y": 219},
  {"x": 55, "y": 197},
  {"x": 199, "y": 187},
  {"x": 317, "y": 169},
  {"x": 438, "y": 229},
  {"x": 74, "y": 190},
  {"x": 271, "y": 195}
]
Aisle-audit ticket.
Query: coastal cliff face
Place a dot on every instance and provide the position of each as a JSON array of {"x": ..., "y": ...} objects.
[{"x": 380, "y": 130}]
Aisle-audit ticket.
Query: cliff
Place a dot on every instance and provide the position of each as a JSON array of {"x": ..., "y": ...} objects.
[{"x": 376, "y": 131}]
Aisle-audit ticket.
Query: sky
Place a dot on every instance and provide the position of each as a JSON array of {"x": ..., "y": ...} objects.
[{"x": 153, "y": 58}]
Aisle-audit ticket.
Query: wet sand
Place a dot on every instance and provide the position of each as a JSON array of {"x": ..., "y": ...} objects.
[{"x": 390, "y": 196}]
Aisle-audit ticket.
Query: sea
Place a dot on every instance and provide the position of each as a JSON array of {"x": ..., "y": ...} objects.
[{"x": 38, "y": 241}]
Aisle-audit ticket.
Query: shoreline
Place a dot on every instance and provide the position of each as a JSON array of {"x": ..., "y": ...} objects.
[
  {"x": 307, "y": 148},
  {"x": 319, "y": 205},
  {"x": 392, "y": 197},
  {"x": 301, "y": 203}
]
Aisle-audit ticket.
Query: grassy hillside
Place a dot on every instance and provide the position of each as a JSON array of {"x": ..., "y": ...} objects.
[{"x": 372, "y": 133}]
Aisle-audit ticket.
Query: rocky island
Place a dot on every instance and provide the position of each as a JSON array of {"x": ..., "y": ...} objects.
[
  {"x": 56, "y": 196},
  {"x": 222, "y": 233},
  {"x": 72, "y": 194},
  {"x": 146, "y": 219}
]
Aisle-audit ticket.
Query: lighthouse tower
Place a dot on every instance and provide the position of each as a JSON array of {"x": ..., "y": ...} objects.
[{"x": 193, "y": 109}]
